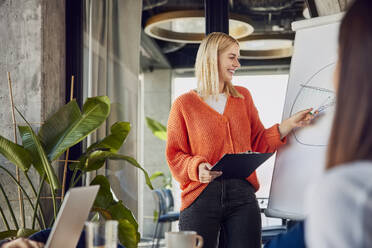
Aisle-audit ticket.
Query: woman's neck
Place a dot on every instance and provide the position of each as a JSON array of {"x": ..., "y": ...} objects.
[{"x": 221, "y": 87}]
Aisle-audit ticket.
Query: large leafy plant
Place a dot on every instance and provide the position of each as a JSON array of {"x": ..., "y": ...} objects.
[
  {"x": 67, "y": 127},
  {"x": 160, "y": 132}
]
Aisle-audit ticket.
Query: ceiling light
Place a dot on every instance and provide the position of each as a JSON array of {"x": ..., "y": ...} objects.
[
  {"x": 306, "y": 13},
  {"x": 188, "y": 26},
  {"x": 267, "y": 46}
]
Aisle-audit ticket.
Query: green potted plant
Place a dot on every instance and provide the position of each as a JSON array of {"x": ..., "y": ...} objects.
[
  {"x": 67, "y": 127},
  {"x": 160, "y": 132}
]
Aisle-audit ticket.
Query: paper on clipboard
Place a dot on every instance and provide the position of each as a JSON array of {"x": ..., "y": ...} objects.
[{"x": 240, "y": 165}]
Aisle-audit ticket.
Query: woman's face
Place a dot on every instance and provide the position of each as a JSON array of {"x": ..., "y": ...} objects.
[{"x": 228, "y": 62}]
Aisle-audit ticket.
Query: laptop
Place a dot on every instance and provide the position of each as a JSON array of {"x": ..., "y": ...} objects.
[{"x": 71, "y": 217}]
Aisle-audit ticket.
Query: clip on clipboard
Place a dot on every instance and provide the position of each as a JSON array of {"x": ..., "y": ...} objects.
[{"x": 240, "y": 165}]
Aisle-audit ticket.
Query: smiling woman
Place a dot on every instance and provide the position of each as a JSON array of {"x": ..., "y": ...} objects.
[
  {"x": 206, "y": 123},
  {"x": 216, "y": 57},
  {"x": 227, "y": 64}
]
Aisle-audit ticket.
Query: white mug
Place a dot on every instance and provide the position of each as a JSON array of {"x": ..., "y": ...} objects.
[{"x": 183, "y": 239}]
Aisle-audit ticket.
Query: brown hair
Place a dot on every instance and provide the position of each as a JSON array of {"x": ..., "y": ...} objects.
[{"x": 351, "y": 136}]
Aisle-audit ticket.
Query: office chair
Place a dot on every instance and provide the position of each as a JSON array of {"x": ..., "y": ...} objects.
[
  {"x": 164, "y": 198},
  {"x": 269, "y": 232}
]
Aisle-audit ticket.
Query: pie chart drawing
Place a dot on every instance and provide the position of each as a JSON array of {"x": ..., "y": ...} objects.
[{"x": 317, "y": 93}]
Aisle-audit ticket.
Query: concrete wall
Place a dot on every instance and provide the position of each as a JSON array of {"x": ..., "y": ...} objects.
[
  {"x": 157, "y": 101},
  {"x": 32, "y": 48}
]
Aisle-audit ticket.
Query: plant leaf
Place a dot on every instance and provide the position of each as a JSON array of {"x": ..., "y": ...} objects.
[
  {"x": 24, "y": 232},
  {"x": 112, "y": 143},
  {"x": 119, "y": 211},
  {"x": 8, "y": 234},
  {"x": 133, "y": 162},
  {"x": 127, "y": 234},
  {"x": 156, "y": 174},
  {"x": 95, "y": 217},
  {"x": 96, "y": 159},
  {"x": 15, "y": 153},
  {"x": 158, "y": 129},
  {"x": 156, "y": 215},
  {"x": 59, "y": 133},
  {"x": 111, "y": 209},
  {"x": 119, "y": 132},
  {"x": 104, "y": 197},
  {"x": 31, "y": 143},
  {"x": 54, "y": 127}
]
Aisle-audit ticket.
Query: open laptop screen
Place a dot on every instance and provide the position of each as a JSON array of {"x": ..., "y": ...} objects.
[{"x": 71, "y": 217}]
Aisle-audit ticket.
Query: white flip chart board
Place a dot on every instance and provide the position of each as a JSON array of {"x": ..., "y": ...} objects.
[{"x": 310, "y": 84}]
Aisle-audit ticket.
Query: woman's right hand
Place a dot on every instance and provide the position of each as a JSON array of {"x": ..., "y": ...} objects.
[
  {"x": 206, "y": 175},
  {"x": 299, "y": 119}
]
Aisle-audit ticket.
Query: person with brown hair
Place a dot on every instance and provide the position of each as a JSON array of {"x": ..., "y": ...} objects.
[
  {"x": 339, "y": 206},
  {"x": 206, "y": 123}
]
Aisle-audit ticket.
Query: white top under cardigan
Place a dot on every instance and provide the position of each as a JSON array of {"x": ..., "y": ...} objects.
[
  {"x": 339, "y": 208},
  {"x": 217, "y": 104}
]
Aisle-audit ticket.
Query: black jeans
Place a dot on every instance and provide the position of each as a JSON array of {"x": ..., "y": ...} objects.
[{"x": 229, "y": 204}]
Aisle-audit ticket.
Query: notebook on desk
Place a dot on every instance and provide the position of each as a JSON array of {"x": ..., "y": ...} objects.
[
  {"x": 71, "y": 217},
  {"x": 240, "y": 165}
]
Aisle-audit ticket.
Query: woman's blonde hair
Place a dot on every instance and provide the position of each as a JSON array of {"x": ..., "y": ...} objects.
[{"x": 206, "y": 65}]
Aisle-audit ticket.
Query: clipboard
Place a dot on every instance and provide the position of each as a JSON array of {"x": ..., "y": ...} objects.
[{"x": 240, "y": 165}]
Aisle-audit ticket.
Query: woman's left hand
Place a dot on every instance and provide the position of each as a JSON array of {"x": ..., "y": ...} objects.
[{"x": 300, "y": 119}]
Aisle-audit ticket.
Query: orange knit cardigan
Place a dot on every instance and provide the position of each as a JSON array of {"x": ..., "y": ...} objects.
[{"x": 197, "y": 133}]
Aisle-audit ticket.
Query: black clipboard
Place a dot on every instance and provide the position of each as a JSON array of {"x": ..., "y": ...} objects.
[{"x": 240, "y": 165}]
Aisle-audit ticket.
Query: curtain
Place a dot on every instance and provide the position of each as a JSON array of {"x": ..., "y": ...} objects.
[{"x": 111, "y": 67}]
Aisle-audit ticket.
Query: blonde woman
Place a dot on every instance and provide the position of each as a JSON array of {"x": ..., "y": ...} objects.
[{"x": 206, "y": 123}]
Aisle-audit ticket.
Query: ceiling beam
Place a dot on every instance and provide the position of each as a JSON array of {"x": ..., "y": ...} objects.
[
  {"x": 312, "y": 8},
  {"x": 216, "y": 16}
]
